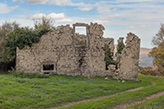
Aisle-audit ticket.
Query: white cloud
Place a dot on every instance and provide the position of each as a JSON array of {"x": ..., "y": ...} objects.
[
  {"x": 131, "y": 27},
  {"x": 65, "y": 20},
  {"x": 37, "y": 1},
  {"x": 38, "y": 16},
  {"x": 14, "y": 7},
  {"x": 135, "y": 0},
  {"x": 115, "y": 9},
  {"x": 111, "y": 16},
  {"x": 103, "y": 9},
  {"x": 81, "y": 4},
  {"x": 5, "y": 9},
  {"x": 49, "y": 16},
  {"x": 85, "y": 8},
  {"x": 104, "y": 22},
  {"x": 58, "y": 2},
  {"x": 56, "y": 16},
  {"x": 145, "y": 26},
  {"x": 138, "y": 27},
  {"x": 16, "y": 0},
  {"x": 60, "y": 16}
]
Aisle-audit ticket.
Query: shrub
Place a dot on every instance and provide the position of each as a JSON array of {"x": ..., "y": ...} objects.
[
  {"x": 108, "y": 57},
  {"x": 147, "y": 70},
  {"x": 120, "y": 47},
  {"x": 158, "y": 71},
  {"x": 144, "y": 72}
]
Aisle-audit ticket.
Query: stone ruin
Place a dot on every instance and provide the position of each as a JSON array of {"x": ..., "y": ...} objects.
[{"x": 62, "y": 51}]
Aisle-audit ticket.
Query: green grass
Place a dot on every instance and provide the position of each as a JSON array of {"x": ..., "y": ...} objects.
[
  {"x": 125, "y": 98},
  {"x": 56, "y": 90},
  {"x": 155, "y": 103}
]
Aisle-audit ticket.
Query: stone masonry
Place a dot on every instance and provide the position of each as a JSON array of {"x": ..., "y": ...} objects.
[
  {"x": 129, "y": 58},
  {"x": 70, "y": 53}
]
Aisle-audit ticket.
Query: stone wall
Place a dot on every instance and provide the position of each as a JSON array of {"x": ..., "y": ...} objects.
[
  {"x": 59, "y": 48},
  {"x": 120, "y": 39},
  {"x": 73, "y": 54},
  {"x": 129, "y": 59}
]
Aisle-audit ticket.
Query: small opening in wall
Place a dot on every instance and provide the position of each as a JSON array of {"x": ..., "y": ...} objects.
[
  {"x": 81, "y": 30},
  {"x": 48, "y": 67}
]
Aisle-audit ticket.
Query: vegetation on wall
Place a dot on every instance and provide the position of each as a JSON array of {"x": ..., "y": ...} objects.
[
  {"x": 108, "y": 57},
  {"x": 20, "y": 37},
  {"x": 12, "y": 36},
  {"x": 120, "y": 47}
]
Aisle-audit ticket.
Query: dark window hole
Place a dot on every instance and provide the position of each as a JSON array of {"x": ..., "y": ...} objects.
[{"x": 48, "y": 67}]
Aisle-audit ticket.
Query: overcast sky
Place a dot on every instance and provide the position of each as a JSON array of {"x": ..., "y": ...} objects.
[{"x": 119, "y": 17}]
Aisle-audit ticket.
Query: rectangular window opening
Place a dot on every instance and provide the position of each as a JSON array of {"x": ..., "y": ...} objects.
[
  {"x": 80, "y": 30},
  {"x": 48, "y": 67},
  {"x": 80, "y": 36}
]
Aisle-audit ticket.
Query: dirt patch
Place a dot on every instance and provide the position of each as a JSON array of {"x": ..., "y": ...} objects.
[
  {"x": 138, "y": 102},
  {"x": 73, "y": 103}
]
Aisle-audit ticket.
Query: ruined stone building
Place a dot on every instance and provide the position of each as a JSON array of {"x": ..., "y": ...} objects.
[{"x": 70, "y": 53}]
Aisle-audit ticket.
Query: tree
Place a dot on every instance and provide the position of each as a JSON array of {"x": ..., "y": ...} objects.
[
  {"x": 43, "y": 23},
  {"x": 159, "y": 38},
  {"x": 14, "y": 37},
  {"x": 5, "y": 29},
  {"x": 120, "y": 47},
  {"x": 20, "y": 37},
  {"x": 158, "y": 52}
]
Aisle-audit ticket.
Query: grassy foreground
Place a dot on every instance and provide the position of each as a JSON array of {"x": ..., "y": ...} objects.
[
  {"x": 126, "y": 98},
  {"x": 155, "y": 103},
  {"x": 55, "y": 90}
]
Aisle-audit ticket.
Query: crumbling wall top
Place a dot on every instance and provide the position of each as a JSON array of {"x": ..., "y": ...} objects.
[{"x": 80, "y": 24}]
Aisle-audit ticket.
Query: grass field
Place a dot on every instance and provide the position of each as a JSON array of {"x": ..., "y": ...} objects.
[
  {"x": 55, "y": 90},
  {"x": 125, "y": 98},
  {"x": 155, "y": 103}
]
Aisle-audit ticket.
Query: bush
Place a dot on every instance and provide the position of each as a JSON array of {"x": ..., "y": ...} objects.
[
  {"x": 158, "y": 71},
  {"x": 144, "y": 72},
  {"x": 120, "y": 47},
  {"x": 108, "y": 57},
  {"x": 147, "y": 70}
]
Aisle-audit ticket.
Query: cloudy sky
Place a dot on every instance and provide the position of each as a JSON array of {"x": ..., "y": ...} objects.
[{"x": 142, "y": 17}]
